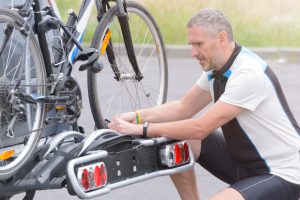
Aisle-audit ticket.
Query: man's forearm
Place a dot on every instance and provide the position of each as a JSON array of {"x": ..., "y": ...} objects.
[
  {"x": 182, "y": 130},
  {"x": 168, "y": 112}
]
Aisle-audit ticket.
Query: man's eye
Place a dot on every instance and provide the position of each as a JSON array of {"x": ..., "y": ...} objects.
[{"x": 198, "y": 45}]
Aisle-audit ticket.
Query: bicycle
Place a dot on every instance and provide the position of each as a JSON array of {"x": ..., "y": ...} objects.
[
  {"x": 41, "y": 144},
  {"x": 49, "y": 86}
]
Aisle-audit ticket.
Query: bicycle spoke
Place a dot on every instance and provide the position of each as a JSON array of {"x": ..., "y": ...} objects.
[
  {"x": 109, "y": 102},
  {"x": 9, "y": 51},
  {"x": 16, "y": 68},
  {"x": 11, "y": 57},
  {"x": 146, "y": 64},
  {"x": 138, "y": 31},
  {"x": 148, "y": 97},
  {"x": 143, "y": 43},
  {"x": 151, "y": 88},
  {"x": 136, "y": 102},
  {"x": 121, "y": 63},
  {"x": 27, "y": 57},
  {"x": 137, "y": 93}
]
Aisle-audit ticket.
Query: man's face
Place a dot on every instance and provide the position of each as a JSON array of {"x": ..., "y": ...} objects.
[{"x": 205, "y": 48}]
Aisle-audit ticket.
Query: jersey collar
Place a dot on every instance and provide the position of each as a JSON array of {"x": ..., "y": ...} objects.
[{"x": 225, "y": 70}]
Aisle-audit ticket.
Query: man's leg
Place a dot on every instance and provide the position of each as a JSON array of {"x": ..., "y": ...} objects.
[
  {"x": 228, "y": 194},
  {"x": 186, "y": 185},
  {"x": 186, "y": 182},
  {"x": 214, "y": 157}
]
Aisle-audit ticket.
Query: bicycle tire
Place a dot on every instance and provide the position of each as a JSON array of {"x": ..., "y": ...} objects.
[
  {"x": 24, "y": 119},
  {"x": 151, "y": 90}
]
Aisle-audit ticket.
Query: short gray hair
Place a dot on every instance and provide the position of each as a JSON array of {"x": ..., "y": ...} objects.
[{"x": 213, "y": 21}]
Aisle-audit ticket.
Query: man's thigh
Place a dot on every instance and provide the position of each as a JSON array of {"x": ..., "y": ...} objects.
[
  {"x": 267, "y": 187},
  {"x": 216, "y": 158},
  {"x": 228, "y": 194}
]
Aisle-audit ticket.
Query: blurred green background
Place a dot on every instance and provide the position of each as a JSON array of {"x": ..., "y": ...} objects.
[{"x": 256, "y": 23}]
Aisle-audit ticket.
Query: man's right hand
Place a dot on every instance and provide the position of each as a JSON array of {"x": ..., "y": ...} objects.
[{"x": 128, "y": 117}]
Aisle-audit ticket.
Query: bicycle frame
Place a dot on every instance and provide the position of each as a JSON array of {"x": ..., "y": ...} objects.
[
  {"x": 83, "y": 16},
  {"x": 82, "y": 22}
]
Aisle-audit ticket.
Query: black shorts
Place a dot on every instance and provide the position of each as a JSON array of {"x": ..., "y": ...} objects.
[{"x": 216, "y": 159}]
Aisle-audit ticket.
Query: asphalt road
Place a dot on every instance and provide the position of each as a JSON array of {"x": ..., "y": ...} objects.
[{"x": 182, "y": 74}]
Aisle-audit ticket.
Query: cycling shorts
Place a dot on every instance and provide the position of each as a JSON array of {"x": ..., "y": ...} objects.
[{"x": 252, "y": 185}]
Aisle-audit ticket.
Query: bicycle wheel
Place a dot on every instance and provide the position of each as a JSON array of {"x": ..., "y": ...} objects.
[
  {"x": 20, "y": 122},
  {"x": 109, "y": 96}
]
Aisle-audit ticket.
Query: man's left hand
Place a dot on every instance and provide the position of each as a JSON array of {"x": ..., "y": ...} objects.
[{"x": 125, "y": 127}]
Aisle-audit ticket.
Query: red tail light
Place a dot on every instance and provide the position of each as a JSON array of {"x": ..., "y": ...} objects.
[
  {"x": 186, "y": 152},
  {"x": 174, "y": 154},
  {"x": 178, "y": 154},
  {"x": 85, "y": 181},
  {"x": 97, "y": 176},
  {"x": 92, "y": 176}
]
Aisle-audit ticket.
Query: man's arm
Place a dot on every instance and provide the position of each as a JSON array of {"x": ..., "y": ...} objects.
[
  {"x": 199, "y": 128},
  {"x": 219, "y": 114},
  {"x": 195, "y": 100}
]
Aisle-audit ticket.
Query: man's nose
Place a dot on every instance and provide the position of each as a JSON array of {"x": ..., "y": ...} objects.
[{"x": 194, "y": 52}]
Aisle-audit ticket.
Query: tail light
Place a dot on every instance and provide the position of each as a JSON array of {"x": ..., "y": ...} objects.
[
  {"x": 93, "y": 176},
  {"x": 174, "y": 154}
]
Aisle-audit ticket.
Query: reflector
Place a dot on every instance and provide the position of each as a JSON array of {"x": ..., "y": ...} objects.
[
  {"x": 60, "y": 107},
  {"x": 105, "y": 42},
  {"x": 7, "y": 154}
]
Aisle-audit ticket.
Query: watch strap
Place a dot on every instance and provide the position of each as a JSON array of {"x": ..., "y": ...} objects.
[{"x": 145, "y": 128}]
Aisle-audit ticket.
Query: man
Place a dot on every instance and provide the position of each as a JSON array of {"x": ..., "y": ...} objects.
[{"x": 258, "y": 150}]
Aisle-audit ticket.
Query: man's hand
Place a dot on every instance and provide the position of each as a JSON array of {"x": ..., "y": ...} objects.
[
  {"x": 125, "y": 127},
  {"x": 127, "y": 117}
]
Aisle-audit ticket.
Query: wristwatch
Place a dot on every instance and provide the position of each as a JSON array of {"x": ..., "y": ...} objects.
[{"x": 145, "y": 128}]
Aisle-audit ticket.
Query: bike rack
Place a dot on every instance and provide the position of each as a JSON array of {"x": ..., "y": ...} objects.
[
  {"x": 60, "y": 137},
  {"x": 95, "y": 135},
  {"x": 101, "y": 154}
]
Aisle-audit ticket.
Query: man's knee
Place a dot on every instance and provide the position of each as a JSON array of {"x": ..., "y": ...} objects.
[
  {"x": 195, "y": 145},
  {"x": 228, "y": 194}
]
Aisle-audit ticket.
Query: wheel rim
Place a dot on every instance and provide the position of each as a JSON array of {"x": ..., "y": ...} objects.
[{"x": 127, "y": 93}]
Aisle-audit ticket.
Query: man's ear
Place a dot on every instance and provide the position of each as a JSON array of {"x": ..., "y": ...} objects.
[{"x": 223, "y": 37}]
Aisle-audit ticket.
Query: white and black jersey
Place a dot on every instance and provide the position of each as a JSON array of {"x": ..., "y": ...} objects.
[{"x": 265, "y": 137}]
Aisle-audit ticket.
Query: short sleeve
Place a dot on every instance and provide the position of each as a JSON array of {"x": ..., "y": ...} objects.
[
  {"x": 203, "y": 81},
  {"x": 245, "y": 89}
]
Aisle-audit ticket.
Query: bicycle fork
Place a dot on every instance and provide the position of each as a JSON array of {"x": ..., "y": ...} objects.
[{"x": 123, "y": 20}]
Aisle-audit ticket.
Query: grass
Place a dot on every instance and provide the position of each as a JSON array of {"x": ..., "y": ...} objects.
[{"x": 256, "y": 23}]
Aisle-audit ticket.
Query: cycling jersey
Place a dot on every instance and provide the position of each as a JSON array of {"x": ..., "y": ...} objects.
[{"x": 265, "y": 137}]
